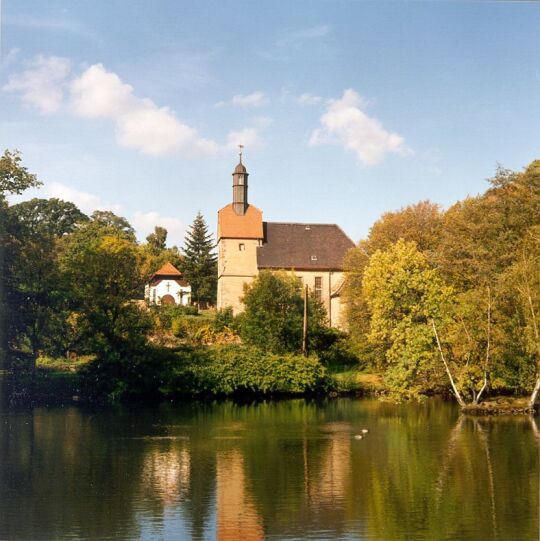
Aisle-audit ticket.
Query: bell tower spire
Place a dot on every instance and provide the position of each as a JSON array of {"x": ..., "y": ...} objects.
[{"x": 240, "y": 187}]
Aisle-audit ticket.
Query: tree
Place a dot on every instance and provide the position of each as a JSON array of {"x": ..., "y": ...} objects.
[
  {"x": 157, "y": 241},
  {"x": 103, "y": 274},
  {"x": 14, "y": 177},
  {"x": 274, "y": 313},
  {"x": 116, "y": 224},
  {"x": 50, "y": 217},
  {"x": 37, "y": 297},
  {"x": 522, "y": 286},
  {"x": 404, "y": 294},
  {"x": 417, "y": 318},
  {"x": 420, "y": 223},
  {"x": 200, "y": 261}
]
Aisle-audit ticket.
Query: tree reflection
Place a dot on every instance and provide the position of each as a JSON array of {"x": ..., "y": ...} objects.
[{"x": 278, "y": 470}]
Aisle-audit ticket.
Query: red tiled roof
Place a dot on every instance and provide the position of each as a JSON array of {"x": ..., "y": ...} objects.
[
  {"x": 303, "y": 246},
  {"x": 167, "y": 270},
  {"x": 234, "y": 226}
]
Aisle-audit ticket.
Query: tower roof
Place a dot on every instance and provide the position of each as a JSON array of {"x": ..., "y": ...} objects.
[
  {"x": 234, "y": 226},
  {"x": 240, "y": 168}
]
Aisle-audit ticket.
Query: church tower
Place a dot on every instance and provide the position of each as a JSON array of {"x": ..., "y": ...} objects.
[{"x": 240, "y": 233}]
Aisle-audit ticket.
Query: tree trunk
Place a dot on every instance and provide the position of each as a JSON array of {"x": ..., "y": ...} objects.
[
  {"x": 460, "y": 400},
  {"x": 534, "y": 394},
  {"x": 488, "y": 348}
]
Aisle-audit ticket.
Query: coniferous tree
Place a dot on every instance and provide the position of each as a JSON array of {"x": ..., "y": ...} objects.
[{"x": 200, "y": 261}]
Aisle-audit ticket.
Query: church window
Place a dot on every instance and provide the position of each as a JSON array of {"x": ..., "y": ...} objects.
[
  {"x": 242, "y": 247},
  {"x": 318, "y": 288}
]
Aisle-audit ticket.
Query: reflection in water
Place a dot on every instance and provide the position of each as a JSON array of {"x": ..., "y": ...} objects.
[
  {"x": 282, "y": 470},
  {"x": 236, "y": 515},
  {"x": 167, "y": 474},
  {"x": 329, "y": 489}
]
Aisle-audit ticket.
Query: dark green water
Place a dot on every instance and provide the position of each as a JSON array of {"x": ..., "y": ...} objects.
[{"x": 279, "y": 470}]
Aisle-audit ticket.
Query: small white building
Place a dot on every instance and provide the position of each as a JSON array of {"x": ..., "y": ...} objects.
[{"x": 167, "y": 286}]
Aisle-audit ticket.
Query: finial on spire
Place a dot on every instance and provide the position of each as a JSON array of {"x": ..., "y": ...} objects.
[{"x": 241, "y": 147}]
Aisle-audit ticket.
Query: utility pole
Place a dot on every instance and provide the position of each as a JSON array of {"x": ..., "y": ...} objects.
[{"x": 305, "y": 336}]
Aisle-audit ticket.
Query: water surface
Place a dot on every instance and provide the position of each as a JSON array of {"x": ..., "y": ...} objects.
[{"x": 277, "y": 470}]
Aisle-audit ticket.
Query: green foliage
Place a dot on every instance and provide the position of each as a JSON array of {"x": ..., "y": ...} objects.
[
  {"x": 481, "y": 247},
  {"x": 14, "y": 177},
  {"x": 103, "y": 275},
  {"x": 224, "y": 318},
  {"x": 233, "y": 369},
  {"x": 157, "y": 241},
  {"x": 167, "y": 313},
  {"x": 273, "y": 316},
  {"x": 404, "y": 294},
  {"x": 215, "y": 371},
  {"x": 200, "y": 261},
  {"x": 341, "y": 355},
  {"x": 188, "y": 327},
  {"x": 420, "y": 223},
  {"x": 116, "y": 225},
  {"x": 48, "y": 217}
]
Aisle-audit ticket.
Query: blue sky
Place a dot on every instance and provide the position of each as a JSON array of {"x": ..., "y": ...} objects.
[{"x": 346, "y": 109}]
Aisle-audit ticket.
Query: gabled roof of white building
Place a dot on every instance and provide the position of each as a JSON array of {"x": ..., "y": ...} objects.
[{"x": 168, "y": 272}]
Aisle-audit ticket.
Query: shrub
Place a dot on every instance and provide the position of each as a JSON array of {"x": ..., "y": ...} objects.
[
  {"x": 225, "y": 319},
  {"x": 187, "y": 327},
  {"x": 228, "y": 370},
  {"x": 158, "y": 373},
  {"x": 341, "y": 354},
  {"x": 273, "y": 316},
  {"x": 165, "y": 314}
]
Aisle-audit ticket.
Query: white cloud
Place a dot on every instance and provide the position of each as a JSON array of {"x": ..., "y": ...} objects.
[
  {"x": 255, "y": 99},
  {"x": 346, "y": 123},
  {"x": 308, "y": 99},
  {"x": 139, "y": 122},
  {"x": 100, "y": 93},
  {"x": 87, "y": 202},
  {"x": 144, "y": 223},
  {"x": 249, "y": 137},
  {"x": 42, "y": 84}
]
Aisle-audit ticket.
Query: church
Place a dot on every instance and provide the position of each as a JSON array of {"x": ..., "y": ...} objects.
[{"x": 247, "y": 244}]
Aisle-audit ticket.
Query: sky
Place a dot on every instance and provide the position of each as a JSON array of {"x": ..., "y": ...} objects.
[{"x": 346, "y": 109}]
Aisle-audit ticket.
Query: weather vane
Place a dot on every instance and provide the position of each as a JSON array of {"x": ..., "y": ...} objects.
[{"x": 241, "y": 147}]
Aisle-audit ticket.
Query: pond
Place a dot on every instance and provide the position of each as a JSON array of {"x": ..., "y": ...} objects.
[{"x": 292, "y": 469}]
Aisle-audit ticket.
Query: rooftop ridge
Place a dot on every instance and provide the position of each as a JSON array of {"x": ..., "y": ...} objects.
[{"x": 301, "y": 223}]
